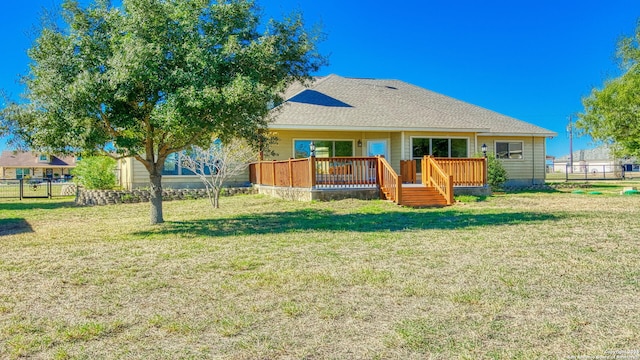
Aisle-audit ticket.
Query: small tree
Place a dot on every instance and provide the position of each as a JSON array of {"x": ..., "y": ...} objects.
[
  {"x": 496, "y": 174},
  {"x": 217, "y": 164},
  {"x": 97, "y": 172}
]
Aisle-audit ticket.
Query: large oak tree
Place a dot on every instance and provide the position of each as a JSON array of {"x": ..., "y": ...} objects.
[
  {"x": 612, "y": 113},
  {"x": 154, "y": 77}
]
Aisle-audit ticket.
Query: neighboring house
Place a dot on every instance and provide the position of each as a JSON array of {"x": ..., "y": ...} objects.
[
  {"x": 597, "y": 160},
  {"x": 19, "y": 164},
  {"x": 367, "y": 117}
]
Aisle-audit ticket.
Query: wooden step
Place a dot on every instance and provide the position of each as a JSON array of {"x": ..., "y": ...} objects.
[{"x": 422, "y": 196}]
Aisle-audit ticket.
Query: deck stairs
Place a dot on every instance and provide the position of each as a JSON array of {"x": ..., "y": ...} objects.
[{"x": 418, "y": 195}]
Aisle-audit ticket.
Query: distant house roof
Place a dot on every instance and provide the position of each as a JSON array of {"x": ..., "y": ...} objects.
[
  {"x": 601, "y": 153},
  {"x": 21, "y": 159},
  {"x": 339, "y": 103}
]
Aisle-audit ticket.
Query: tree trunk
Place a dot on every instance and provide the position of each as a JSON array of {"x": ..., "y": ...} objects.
[
  {"x": 216, "y": 197},
  {"x": 156, "y": 197}
]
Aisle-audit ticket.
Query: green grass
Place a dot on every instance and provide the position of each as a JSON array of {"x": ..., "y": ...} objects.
[{"x": 529, "y": 275}]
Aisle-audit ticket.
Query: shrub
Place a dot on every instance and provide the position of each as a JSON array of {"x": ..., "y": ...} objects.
[
  {"x": 496, "y": 174},
  {"x": 96, "y": 173}
]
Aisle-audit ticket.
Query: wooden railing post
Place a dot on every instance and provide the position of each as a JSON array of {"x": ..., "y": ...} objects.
[
  {"x": 379, "y": 175},
  {"x": 290, "y": 172},
  {"x": 273, "y": 172},
  {"x": 450, "y": 190},
  {"x": 312, "y": 170},
  {"x": 399, "y": 190}
]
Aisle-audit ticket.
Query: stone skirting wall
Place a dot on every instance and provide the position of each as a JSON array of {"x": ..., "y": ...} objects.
[
  {"x": 306, "y": 194},
  {"x": 472, "y": 190},
  {"x": 106, "y": 197}
]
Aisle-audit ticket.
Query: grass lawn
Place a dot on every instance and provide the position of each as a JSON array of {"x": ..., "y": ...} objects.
[{"x": 531, "y": 275}]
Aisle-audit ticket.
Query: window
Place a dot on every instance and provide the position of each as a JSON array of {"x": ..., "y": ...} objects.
[
  {"x": 21, "y": 173},
  {"x": 324, "y": 148},
  {"x": 438, "y": 147},
  {"x": 173, "y": 165},
  {"x": 43, "y": 158},
  {"x": 509, "y": 150}
]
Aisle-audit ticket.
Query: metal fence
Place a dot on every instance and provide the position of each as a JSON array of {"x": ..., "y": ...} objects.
[
  {"x": 594, "y": 172},
  {"x": 35, "y": 188}
]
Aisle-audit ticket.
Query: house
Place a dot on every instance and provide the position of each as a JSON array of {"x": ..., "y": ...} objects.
[
  {"x": 365, "y": 117},
  {"x": 357, "y": 117},
  {"x": 21, "y": 164}
]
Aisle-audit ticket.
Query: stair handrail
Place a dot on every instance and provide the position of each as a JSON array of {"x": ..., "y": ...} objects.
[
  {"x": 434, "y": 175},
  {"x": 390, "y": 181}
]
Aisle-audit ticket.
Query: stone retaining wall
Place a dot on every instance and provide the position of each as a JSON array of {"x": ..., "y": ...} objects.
[{"x": 107, "y": 197}]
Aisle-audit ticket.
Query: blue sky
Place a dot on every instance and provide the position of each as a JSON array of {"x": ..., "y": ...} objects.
[{"x": 532, "y": 60}]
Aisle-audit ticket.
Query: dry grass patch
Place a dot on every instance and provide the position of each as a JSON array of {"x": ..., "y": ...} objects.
[{"x": 516, "y": 276}]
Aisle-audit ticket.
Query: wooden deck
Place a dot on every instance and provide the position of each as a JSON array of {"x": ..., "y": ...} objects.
[{"x": 434, "y": 186}]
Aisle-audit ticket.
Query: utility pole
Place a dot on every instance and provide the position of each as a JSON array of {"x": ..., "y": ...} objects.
[{"x": 570, "y": 134}]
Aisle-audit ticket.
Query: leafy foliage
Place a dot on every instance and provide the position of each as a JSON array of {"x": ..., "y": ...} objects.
[
  {"x": 496, "y": 173},
  {"x": 611, "y": 113},
  {"x": 154, "y": 77},
  {"x": 96, "y": 172}
]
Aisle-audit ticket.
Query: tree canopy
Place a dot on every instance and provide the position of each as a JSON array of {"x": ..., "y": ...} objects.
[
  {"x": 612, "y": 113},
  {"x": 154, "y": 77}
]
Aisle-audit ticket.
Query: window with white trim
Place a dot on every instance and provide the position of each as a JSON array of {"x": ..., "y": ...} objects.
[
  {"x": 173, "y": 165},
  {"x": 324, "y": 148},
  {"x": 509, "y": 150},
  {"x": 439, "y": 147},
  {"x": 22, "y": 172}
]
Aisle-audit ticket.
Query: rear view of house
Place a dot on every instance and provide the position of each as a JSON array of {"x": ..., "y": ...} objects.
[{"x": 367, "y": 117}]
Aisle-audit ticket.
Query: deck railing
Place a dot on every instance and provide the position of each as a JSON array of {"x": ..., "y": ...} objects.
[
  {"x": 313, "y": 172},
  {"x": 434, "y": 175},
  {"x": 347, "y": 172},
  {"x": 287, "y": 173},
  {"x": 465, "y": 171},
  {"x": 390, "y": 182}
]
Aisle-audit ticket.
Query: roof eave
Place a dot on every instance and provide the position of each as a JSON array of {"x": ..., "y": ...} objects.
[
  {"x": 373, "y": 128},
  {"x": 540, "y": 134}
]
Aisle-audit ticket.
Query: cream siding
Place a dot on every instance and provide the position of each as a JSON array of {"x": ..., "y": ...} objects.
[
  {"x": 395, "y": 154},
  {"x": 134, "y": 175},
  {"x": 530, "y": 170},
  {"x": 8, "y": 173}
]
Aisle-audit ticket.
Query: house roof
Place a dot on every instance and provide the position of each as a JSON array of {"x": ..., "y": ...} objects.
[
  {"x": 26, "y": 159},
  {"x": 340, "y": 103}
]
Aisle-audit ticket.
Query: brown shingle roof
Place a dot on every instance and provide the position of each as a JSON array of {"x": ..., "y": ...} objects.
[
  {"x": 27, "y": 159},
  {"x": 339, "y": 103}
]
